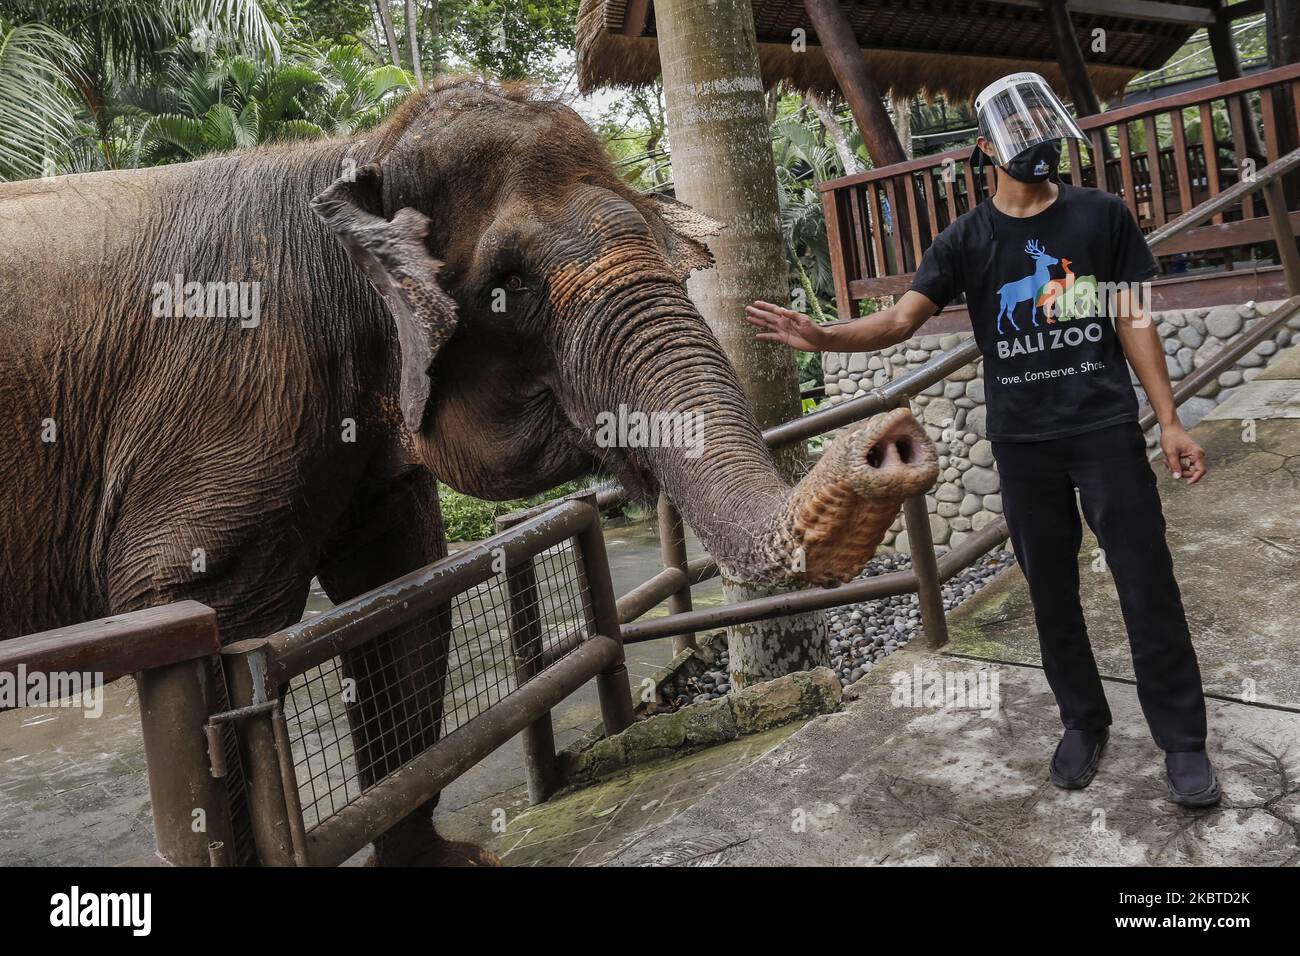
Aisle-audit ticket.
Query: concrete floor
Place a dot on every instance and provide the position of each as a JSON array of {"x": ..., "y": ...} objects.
[
  {"x": 886, "y": 783},
  {"x": 965, "y": 782},
  {"x": 594, "y": 825}
]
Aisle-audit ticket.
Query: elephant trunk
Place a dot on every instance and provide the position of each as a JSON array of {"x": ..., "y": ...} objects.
[{"x": 669, "y": 412}]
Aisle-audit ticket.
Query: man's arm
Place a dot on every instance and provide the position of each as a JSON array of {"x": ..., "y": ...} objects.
[
  {"x": 866, "y": 334},
  {"x": 1142, "y": 347}
]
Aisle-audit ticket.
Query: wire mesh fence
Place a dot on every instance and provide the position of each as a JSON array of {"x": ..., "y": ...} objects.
[{"x": 364, "y": 714}]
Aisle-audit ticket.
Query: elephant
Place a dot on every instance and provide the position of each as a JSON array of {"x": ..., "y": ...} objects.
[{"x": 454, "y": 296}]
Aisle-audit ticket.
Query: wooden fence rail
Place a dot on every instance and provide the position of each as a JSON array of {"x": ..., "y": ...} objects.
[{"x": 1163, "y": 157}]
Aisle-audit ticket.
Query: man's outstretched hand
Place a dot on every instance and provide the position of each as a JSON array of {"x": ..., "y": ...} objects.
[
  {"x": 1183, "y": 457},
  {"x": 788, "y": 326}
]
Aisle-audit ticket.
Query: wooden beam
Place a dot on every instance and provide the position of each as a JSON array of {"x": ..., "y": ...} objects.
[
  {"x": 1066, "y": 43},
  {"x": 1153, "y": 11},
  {"x": 1283, "y": 234},
  {"x": 1228, "y": 66},
  {"x": 1243, "y": 232},
  {"x": 1246, "y": 8},
  {"x": 635, "y": 18},
  {"x": 1171, "y": 105},
  {"x": 839, "y": 247},
  {"x": 1172, "y": 292},
  {"x": 1150, "y": 10},
  {"x": 1282, "y": 31},
  {"x": 838, "y": 42}
]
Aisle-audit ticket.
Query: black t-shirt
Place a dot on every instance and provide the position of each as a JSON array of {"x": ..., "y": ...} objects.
[{"x": 1040, "y": 291}]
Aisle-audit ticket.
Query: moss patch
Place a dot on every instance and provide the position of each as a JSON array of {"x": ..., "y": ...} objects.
[{"x": 753, "y": 710}]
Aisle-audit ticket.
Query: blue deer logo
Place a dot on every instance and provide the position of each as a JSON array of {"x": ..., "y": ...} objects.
[{"x": 1026, "y": 289}]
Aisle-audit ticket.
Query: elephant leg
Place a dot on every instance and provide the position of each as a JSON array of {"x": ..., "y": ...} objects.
[{"x": 400, "y": 676}]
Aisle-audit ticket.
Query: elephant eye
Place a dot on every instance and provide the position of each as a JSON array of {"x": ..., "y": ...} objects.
[{"x": 515, "y": 283}]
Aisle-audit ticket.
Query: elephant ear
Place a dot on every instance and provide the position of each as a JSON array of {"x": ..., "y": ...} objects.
[
  {"x": 395, "y": 259},
  {"x": 687, "y": 230}
]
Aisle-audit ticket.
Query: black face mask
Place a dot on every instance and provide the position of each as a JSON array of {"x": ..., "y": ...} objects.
[{"x": 1037, "y": 163}]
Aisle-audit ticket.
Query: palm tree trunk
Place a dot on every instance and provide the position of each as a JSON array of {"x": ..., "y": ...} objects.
[
  {"x": 722, "y": 165},
  {"x": 903, "y": 123},
  {"x": 412, "y": 38},
  {"x": 390, "y": 34},
  {"x": 830, "y": 122}
]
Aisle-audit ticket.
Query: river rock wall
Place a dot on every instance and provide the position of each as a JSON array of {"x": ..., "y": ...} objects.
[{"x": 953, "y": 412}]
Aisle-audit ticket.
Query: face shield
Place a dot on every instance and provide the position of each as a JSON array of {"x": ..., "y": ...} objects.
[{"x": 1020, "y": 111}]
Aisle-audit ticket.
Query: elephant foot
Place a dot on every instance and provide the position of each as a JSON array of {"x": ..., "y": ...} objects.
[{"x": 412, "y": 845}]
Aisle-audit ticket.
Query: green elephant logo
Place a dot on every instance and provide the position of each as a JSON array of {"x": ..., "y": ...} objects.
[{"x": 1070, "y": 297}]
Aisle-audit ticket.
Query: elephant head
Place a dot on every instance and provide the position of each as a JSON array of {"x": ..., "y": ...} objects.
[{"x": 540, "y": 302}]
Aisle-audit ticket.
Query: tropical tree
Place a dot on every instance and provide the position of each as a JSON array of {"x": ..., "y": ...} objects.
[
  {"x": 722, "y": 165},
  {"x": 109, "y": 41},
  {"x": 804, "y": 160},
  {"x": 37, "y": 116},
  {"x": 354, "y": 94},
  {"x": 229, "y": 101}
]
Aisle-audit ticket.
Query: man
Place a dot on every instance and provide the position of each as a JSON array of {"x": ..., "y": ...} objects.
[{"x": 1047, "y": 268}]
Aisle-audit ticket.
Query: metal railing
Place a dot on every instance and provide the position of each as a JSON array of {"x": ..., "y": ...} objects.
[
  {"x": 172, "y": 651},
  {"x": 352, "y": 720},
  {"x": 337, "y": 728}
]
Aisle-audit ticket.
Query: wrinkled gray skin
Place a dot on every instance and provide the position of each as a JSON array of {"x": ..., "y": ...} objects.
[{"x": 174, "y": 434}]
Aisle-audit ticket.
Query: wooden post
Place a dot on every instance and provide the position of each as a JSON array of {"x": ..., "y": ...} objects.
[
  {"x": 526, "y": 644},
  {"x": 925, "y": 565},
  {"x": 866, "y": 101},
  {"x": 1068, "y": 54},
  {"x": 268, "y": 809},
  {"x": 612, "y": 687},
  {"x": 1282, "y": 35},
  {"x": 835, "y": 35},
  {"x": 191, "y": 812},
  {"x": 1275, "y": 199},
  {"x": 672, "y": 546},
  {"x": 1228, "y": 67}
]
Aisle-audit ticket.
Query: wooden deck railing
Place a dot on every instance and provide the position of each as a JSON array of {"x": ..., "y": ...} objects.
[{"x": 1203, "y": 146}]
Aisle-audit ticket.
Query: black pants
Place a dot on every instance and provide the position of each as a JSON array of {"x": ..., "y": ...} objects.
[{"x": 1118, "y": 491}]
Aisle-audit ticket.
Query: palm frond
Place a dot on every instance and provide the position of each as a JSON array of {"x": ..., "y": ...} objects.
[{"x": 36, "y": 112}]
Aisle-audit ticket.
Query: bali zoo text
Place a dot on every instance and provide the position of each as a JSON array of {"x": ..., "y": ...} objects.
[{"x": 1046, "y": 340}]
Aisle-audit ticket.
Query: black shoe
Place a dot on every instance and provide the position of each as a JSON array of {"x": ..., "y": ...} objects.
[
  {"x": 1077, "y": 756},
  {"x": 1192, "y": 782}
]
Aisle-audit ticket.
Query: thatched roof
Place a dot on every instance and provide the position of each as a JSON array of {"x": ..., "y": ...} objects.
[{"x": 926, "y": 47}]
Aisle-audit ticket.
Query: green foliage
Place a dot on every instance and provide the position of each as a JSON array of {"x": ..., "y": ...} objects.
[
  {"x": 223, "y": 101},
  {"x": 36, "y": 110},
  {"x": 470, "y": 519},
  {"x": 510, "y": 39},
  {"x": 331, "y": 21},
  {"x": 805, "y": 157},
  {"x": 108, "y": 84},
  {"x": 633, "y": 129}
]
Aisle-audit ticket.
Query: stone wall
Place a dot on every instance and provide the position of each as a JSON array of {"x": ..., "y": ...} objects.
[{"x": 966, "y": 497}]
